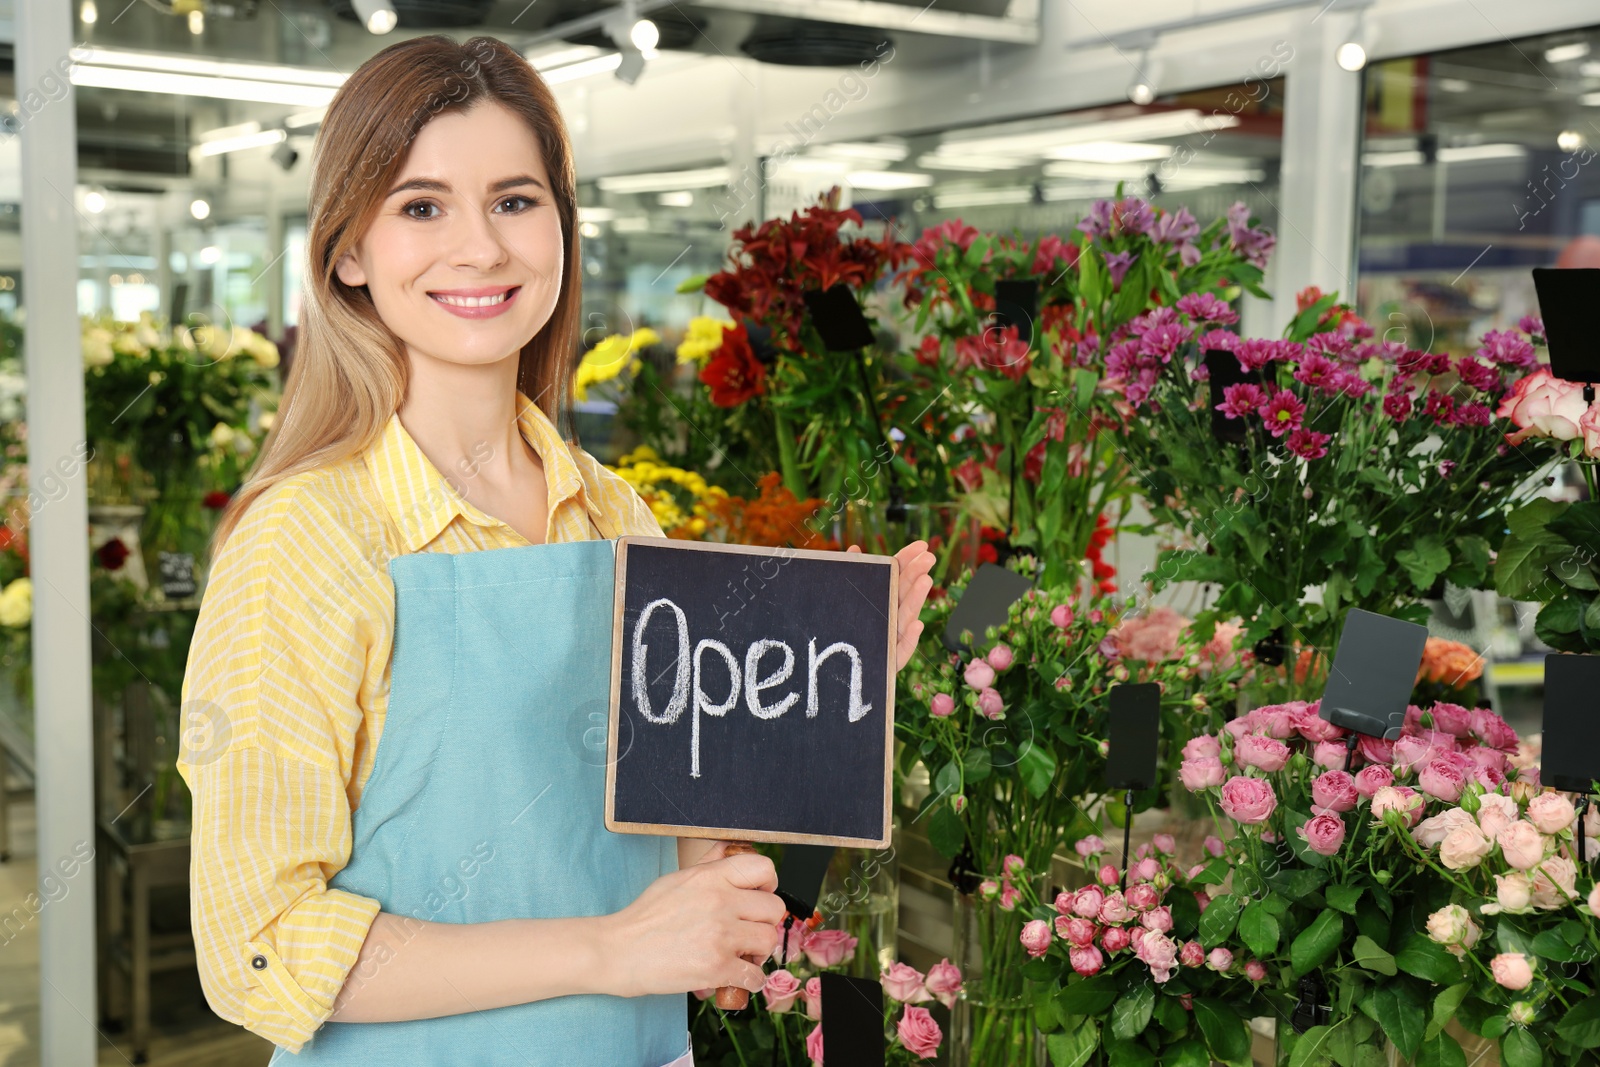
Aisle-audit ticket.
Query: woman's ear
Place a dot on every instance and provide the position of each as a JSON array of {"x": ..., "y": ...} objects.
[{"x": 349, "y": 271}]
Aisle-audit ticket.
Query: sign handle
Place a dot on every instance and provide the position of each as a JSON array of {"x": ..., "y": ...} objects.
[{"x": 732, "y": 997}]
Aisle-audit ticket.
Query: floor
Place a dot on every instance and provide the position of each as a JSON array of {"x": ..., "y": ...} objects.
[{"x": 186, "y": 1034}]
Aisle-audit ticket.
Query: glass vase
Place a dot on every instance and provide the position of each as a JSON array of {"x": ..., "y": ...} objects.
[
  {"x": 861, "y": 895},
  {"x": 992, "y": 1025},
  {"x": 948, "y": 529}
]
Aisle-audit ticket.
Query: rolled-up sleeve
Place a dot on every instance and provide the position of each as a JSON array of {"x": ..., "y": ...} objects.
[{"x": 272, "y": 706}]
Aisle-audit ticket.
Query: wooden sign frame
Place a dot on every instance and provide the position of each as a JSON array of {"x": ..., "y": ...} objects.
[{"x": 615, "y": 712}]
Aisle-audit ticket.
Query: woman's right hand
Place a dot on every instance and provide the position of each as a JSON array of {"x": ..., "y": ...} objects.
[{"x": 708, "y": 925}]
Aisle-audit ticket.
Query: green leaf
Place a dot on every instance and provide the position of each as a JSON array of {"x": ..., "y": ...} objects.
[
  {"x": 945, "y": 831},
  {"x": 1190, "y": 1052},
  {"x": 948, "y": 780},
  {"x": 1036, "y": 766},
  {"x": 693, "y": 284},
  {"x": 1369, "y": 954},
  {"x": 1074, "y": 1047},
  {"x": 1170, "y": 1015},
  {"x": 1316, "y": 942},
  {"x": 1227, "y": 1035},
  {"x": 1421, "y": 956},
  {"x": 976, "y": 765},
  {"x": 1258, "y": 929},
  {"x": 1216, "y": 872},
  {"x": 1217, "y": 923},
  {"x": 1425, "y": 560},
  {"x": 1300, "y": 883},
  {"x": 1343, "y": 897},
  {"x": 1311, "y": 1047},
  {"x": 1400, "y": 1017},
  {"x": 1445, "y": 1006},
  {"x": 1581, "y": 1025},
  {"x": 1519, "y": 1049},
  {"x": 1441, "y": 1050},
  {"x": 1131, "y": 1013},
  {"x": 1088, "y": 996},
  {"x": 1121, "y": 1053}
]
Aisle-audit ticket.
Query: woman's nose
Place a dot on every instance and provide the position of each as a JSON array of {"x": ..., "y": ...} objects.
[{"x": 478, "y": 242}]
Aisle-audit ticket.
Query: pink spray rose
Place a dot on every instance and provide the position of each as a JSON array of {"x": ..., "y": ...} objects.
[
  {"x": 1464, "y": 847},
  {"x": 1160, "y": 954},
  {"x": 1220, "y": 959},
  {"x": 829, "y": 948},
  {"x": 1076, "y": 931},
  {"x": 1256, "y": 971},
  {"x": 904, "y": 983},
  {"x": 814, "y": 1044},
  {"x": 1429, "y": 832},
  {"x": 1323, "y": 834},
  {"x": 1329, "y": 754},
  {"x": 1143, "y": 897},
  {"x": 1594, "y": 899},
  {"x": 1202, "y": 773},
  {"x": 1264, "y": 753},
  {"x": 1109, "y": 875},
  {"x": 1092, "y": 845},
  {"x": 1542, "y": 405},
  {"x": 1146, "y": 869},
  {"x": 1115, "y": 909},
  {"x": 1376, "y": 750},
  {"x": 1202, "y": 746},
  {"x": 1000, "y": 657},
  {"x": 1192, "y": 954},
  {"x": 1274, "y": 720},
  {"x": 1165, "y": 844},
  {"x": 1036, "y": 938},
  {"x": 1522, "y": 845},
  {"x": 1493, "y": 731},
  {"x": 990, "y": 705},
  {"x": 942, "y": 706},
  {"x": 979, "y": 675},
  {"x": 919, "y": 1033},
  {"x": 1115, "y": 939},
  {"x": 1213, "y": 845},
  {"x": 1442, "y": 780},
  {"x": 1158, "y": 920},
  {"x": 1371, "y": 779},
  {"x": 1452, "y": 926},
  {"x": 1086, "y": 960},
  {"x": 813, "y": 998},
  {"x": 1496, "y": 811},
  {"x": 1088, "y": 901},
  {"x": 1397, "y": 798},
  {"x": 1512, "y": 970},
  {"x": 944, "y": 982},
  {"x": 1453, "y": 719},
  {"x": 1551, "y": 812},
  {"x": 1248, "y": 800},
  {"x": 1312, "y": 726},
  {"x": 1061, "y": 616},
  {"x": 1334, "y": 791},
  {"x": 781, "y": 991},
  {"x": 1513, "y": 892},
  {"x": 1553, "y": 883}
]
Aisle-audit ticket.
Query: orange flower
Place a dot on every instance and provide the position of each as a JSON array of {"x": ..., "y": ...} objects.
[
  {"x": 774, "y": 519},
  {"x": 1449, "y": 663}
]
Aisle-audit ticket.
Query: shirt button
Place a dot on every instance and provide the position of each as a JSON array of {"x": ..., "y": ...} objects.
[{"x": 259, "y": 962}]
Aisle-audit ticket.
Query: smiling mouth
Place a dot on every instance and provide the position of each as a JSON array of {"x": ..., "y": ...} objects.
[{"x": 475, "y": 301}]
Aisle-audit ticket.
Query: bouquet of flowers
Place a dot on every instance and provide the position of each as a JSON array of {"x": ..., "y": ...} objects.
[
  {"x": 1327, "y": 888},
  {"x": 1549, "y": 553},
  {"x": 1122, "y": 976},
  {"x": 1361, "y": 467},
  {"x": 1036, "y": 401},
  {"x": 785, "y": 1024}
]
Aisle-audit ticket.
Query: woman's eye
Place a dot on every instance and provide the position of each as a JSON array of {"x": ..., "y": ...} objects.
[
  {"x": 418, "y": 204},
  {"x": 530, "y": 202}
]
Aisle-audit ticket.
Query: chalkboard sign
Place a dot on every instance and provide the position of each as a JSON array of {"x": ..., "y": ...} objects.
[
  {"x": 176, "y": 574},
  {"x": 752, "y": 693},
  {"x": 1571, "y": 759}
]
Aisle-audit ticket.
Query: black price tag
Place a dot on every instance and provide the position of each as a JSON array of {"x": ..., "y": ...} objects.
[
  {"x": 852, "y": 1021},
  {"x": 1373, "y": 673},
  {"x": 176, "y": 574},
  {"x": 1133, "y": 733}
]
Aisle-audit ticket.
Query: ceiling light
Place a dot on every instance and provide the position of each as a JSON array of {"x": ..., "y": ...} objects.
[
  {"x": 87, "y": 13},
  {"x": 1475, "y": 152},
  {"x": 981, "y": 198},
  {"x": 1111, "y": 152},
  {"x": 178, "y": 64},
  {"x": 645, "y": 35},
  {"x": 94, "y": 201},
  {"x": 154, "y": 72},
  {"x": 1590, "y": 99},
  {"x": 376, "y": 15},
  {"x": 942, "y": 161},
  {"x": 666, "y": 181},
  {"x": 677, "y": 198},
  {"x": 1040, "y": 142},
  {"x": 589, "y": 229},
  {"x": 632, "y": 224},
  {"x": 199, "y": 208},
  {"x": 1566, "y": 53},
  {"x": 813, "y": 165},
  {"x": 888, "y": 179},
  {"x": 302, "y": 119},
  {"x": 211, "y": 255},
  {"x": 603, "y": 64},
  {"x": 238, "y": 143},
  {"x": 197, "y": 22},
  {"x": 1142, "y": 90},
  {"x": 596, "y": 214},
  {"x": 1352, "y": 56},
  {"x": 1454, "y": 85},
  {"x": 1569, "y": 140},
  {"x": 1591, "y": 69},
  {"x": 560, "y": 57},
  {"x": 887, "y": 151}
]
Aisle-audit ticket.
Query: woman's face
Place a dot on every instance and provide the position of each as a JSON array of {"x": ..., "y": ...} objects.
[{"x": 464, "y": 258}]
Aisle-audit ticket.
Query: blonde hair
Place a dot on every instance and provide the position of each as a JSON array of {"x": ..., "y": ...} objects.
[{"x": 349, "y": 372}]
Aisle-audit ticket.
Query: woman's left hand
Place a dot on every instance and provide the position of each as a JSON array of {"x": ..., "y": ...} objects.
[{"x": 915, "y": 563}]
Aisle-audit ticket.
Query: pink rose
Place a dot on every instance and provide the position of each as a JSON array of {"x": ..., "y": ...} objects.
[
  {"x": 1086, "y": 960},
  {"x": 1371, "y": 779},
  {"x": 944, "y": 982},
  {"x": 1334, "y": 791},
  {"x": 1256, "y": 971},
  {"x": 794, "y": 940},
  {"x": 1076, "y": 931},
  {"x": 942, "y": 706},
  {"x": 1160, "y": 953},
  {"x": 904, "y": 983},
  {"x": 1442, "y": 780},
  {"x": 1489, "y": 759},
  {"x": 1219, "y": 960},
  {"x": 919, "y": 1033},
  {"x": 1202, "y": 773},
  {"x": 1594, "y": 900},
  {"x": 1451, "y": 925},
  {"x": 1264, "y": 753},
  {"x": 1115, "y": 939},
  {"x": 1551, "y": 812},
  {"x": 781, "y": 991},
  {"x": 1036, "y": 938},
  {"x": 1522, "y": 845},
  {"x": 1513, "y": 892},
  {"x": 1590, "y": 425},
  {"x": 979, "y": 675},
  {"x": 1275, "y": 721},
  {"x": 1165, "y": 844},
  {"x": 1464, "y": 847},
  {"x": 1146, "y": 870},
  {"x": 1192, "y": 954},
  {"x": 813, "y": 998},
  {"x": 1237, "y": 728},
  {"x": 1143, "y": 897},
  {"x": 1092, "y": 845},
  {"x": 1492, "y": 730},
  {"x": 1542, "y": 405},
  {"x": 1323, "y": 834},
  {"x": 1000, "y": 657},
  {"x": 990, "y": 705},
  {"x": 1088, "y": 902},
  {"x": 1329, "y": 754},
  {"x": 1496, "y": 811},
  {"x": 829, "y": 948},
  {"x": 1429, "y": 832},
  {"x": 1010, "y": 896},
  {"x": 1158, "y": 920},
  {"x": 1248, "y": 800},
  {"x": 1397, "y": 798},
  {"x": 988, "y": 889},
  {"x": 1213, "y": 845},
  {"x": 814, "y": 1044},
  {"x": 1312, "y": 726},
  {"x": 1202, "y": 746},
  {"x": 1453, "y": 719},
  {"x": 1115, "y": 909},
  {"x": 1109, "y": 875},
  {"x": 1512, "y": 970},
  {"x": 1061, "y": 616},
  {"x": 1553, "y": 883},
  {"x": 1201, "y": 900},
  {"x": 1410, "y": 752}
]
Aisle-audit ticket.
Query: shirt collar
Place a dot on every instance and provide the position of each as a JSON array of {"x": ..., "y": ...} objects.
[{"x": 422, "y": 502}]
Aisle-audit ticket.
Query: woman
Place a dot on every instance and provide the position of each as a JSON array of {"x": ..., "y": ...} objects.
[{"x": 398, "y": 828}]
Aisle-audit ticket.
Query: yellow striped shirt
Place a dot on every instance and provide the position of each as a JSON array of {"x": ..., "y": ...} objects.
[{"x": 284, "y": 697}]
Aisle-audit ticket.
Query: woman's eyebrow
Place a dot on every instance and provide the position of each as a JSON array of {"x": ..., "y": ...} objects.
[{"x": 435, "y": 185}]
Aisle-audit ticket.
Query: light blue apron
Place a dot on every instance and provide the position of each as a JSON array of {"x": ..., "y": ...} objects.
[{"x": 486, "y": 801}]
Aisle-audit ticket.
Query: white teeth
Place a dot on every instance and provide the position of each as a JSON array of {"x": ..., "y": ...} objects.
[{"x": 472, "y": 301}]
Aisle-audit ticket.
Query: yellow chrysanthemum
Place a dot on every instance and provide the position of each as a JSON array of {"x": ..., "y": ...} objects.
[
  {"x": 703, "y": 337},
  {"x": 16, "y": 603}
]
